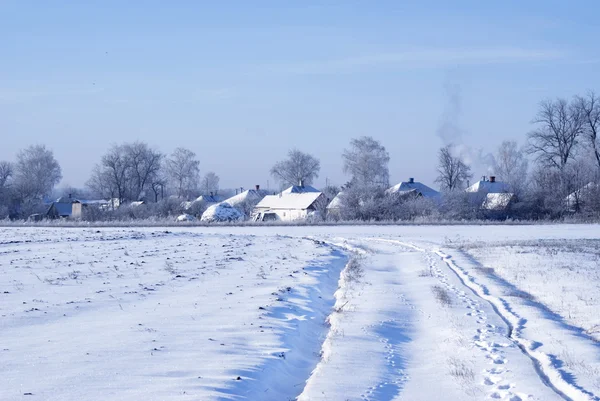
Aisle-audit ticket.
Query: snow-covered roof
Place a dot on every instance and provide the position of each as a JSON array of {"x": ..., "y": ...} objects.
[
  {"x": 221, "y": 212},
  {"x": 209, "y": 199},
  {"x": 250, "y": 195},
  {"x": 420, "y": 188},
  {"x": 336, "y": 202},
  {"x": 206, "y": 199},
  {"x": 296, "y": 189},
  {"x": 489, "y": 187},
  {"x": 497, "y": 201},
  {"x": 296, "y": 201}
]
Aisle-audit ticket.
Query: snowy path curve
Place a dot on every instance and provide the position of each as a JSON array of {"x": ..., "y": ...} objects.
[{"x": 543, "y": 363}]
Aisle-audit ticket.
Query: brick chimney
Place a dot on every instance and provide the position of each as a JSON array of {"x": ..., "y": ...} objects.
[
  {"x": 258, "y": 187},
  {"x": 492, "y": 178},
  {"x": 301, "y": 183},
  {"x": 411, "y": 180}
]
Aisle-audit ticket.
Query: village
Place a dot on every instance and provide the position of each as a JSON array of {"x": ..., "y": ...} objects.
[{"x": 307, "y": 203}]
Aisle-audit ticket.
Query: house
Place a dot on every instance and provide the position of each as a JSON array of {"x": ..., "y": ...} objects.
[
  {"x": 245, "y": 201},
  {"x": 498, "y": 202},
  {"x": 412, "y": 188},
  {"x": 488, "y": 186},
  {"x": 584, "y": 195},
  {"x": 335, "y": 206},
  {"x": 65, "y": 207},
  {"x": 290, "y": 206}
]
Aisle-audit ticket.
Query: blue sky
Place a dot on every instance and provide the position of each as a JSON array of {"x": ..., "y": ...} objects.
[{"x": 241, "y": 82}]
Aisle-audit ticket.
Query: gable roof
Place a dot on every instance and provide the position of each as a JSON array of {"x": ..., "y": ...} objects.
[
  {"x": 489, "y": 187},
  {"x": 299, "y": 201},
  {"x": 60, "y": 209},
  {"x": 250, "y": 195},
  {"x": 296, "y": 189},
  {"x": 336, "y": 202},
  {"x": 498, "y": 201},
  {"x": 420, "y": 188}
]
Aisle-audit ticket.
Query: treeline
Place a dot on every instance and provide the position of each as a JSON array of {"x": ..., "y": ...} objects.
[{"x": 557, "y": 173}]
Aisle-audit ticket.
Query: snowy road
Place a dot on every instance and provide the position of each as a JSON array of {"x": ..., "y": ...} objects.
[{"x": 325, "y": 313}]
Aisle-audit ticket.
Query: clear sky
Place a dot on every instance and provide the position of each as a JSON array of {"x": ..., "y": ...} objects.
[{"x": 241, "y": 82}]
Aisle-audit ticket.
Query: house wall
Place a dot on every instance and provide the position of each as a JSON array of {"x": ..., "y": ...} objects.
[
  {"x": 290, "y": 214},
  {"x": 76, "y": 210}
]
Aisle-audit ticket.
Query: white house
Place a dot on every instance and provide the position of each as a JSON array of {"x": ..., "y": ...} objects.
[
  {"x": 413, "y": 188},
  {"x": 489, "y": 186},
  {"x": 289, "y": 206}
]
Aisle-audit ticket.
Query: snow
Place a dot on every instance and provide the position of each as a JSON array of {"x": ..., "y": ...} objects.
[
  {"x": 497, "y": 201},
  {"x": 221, "y": 212},
  {"x": 309, "y": 313},
  {"x": 185, "y": 217},
  {"x": 250, "y": 196},
  {"x": 420, "y": 188},
  {"x": 292, "y": 201},
  {"x": 297, "y": 189},
  {"x": 488, "y": 187}
]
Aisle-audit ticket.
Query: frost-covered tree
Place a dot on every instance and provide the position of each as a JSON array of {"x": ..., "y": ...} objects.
[
  {"x": 183, "y": 170},
  {"x": 111, "y": 176},
  {"x": 511, "y": 166},
  {"x": 144, "y": 164},
  {"x": 589, "y": 107},
  {"x": 36, "y": 172},
  {"x": 453, "y": 172},
  {"x": 366, "y": 161},
  {"x": 299, "y": 167},
  {"x": 210, "y": 183}
]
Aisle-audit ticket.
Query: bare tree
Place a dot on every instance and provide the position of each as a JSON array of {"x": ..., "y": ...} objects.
[
  {"x": 589, "y": 107},
  {"x": 110, "y": 177},
  {"x": 367, "y": 162},
  {"x": 511, "y": 166},
  {"x": 36, "y": 173},
  {"x": 453, "y": 172},
  {"x": 298, "y": 168},
  {"x": 6, "y": 172},
  {"x": 559, "y": 125},
  {"x": 210, "y": 183},
  {"x": 184, "y": 171},
  {"x": 144, "y": 167}
]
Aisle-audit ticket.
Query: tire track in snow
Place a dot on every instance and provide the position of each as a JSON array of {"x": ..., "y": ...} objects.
[
  {"x": 544, "y": 364},
  {"x": 493, "y": 377}
]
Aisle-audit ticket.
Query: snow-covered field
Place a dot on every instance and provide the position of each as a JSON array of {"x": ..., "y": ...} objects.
[{"x": 307, "y": 313}]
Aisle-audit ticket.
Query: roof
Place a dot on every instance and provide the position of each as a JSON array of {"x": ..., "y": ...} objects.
[
  {"x": 62, "y": 208},
  {"x": 250, "y": 195},
  {"x": 497, "y": 201},
  {"x": 206, "y": 199},
  {"x": 298, "y": 201},
  {"x": 489, "y": 187},
  {"x": 420, "y": 188},
  {"x": 66, "y": 199},
  {"x": 296, "y": 189},
  {"x": 336, "y": 202}
]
